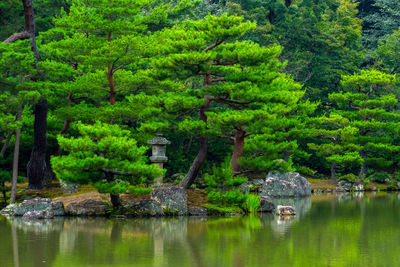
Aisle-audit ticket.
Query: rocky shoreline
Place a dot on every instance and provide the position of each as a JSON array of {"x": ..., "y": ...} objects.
[{"x": 276, "y": 189}]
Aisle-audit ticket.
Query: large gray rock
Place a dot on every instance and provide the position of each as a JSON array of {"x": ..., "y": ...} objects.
[
  {"x": 344, "y": 186},
  {"x": 68, "y": 188},
  {"x": 143, "y": 208},
  {"x": 35, "y": 204},
  {"x": 290, "y": 184},
  {"x": 37, "y": 215},
  {"x": 266, "y": 204},
  {"x": 173, "y": 199},
  {"x": 251, "y": 186},
  {"x": 88, "y": 207},
  {"x": 197, "y": 211}
]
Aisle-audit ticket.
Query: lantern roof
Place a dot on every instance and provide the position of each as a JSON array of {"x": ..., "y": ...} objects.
[{"x": 159, "y": 140}]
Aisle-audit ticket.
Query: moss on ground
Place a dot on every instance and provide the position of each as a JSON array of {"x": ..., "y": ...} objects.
[
  {"x": 197, "y": 197},
  {"x": 320, "y": 184}
]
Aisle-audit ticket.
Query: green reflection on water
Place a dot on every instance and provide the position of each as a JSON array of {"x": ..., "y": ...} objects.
[{"x": 328, "y": 231}]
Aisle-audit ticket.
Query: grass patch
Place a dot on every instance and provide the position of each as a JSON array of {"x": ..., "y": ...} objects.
[
  {"x": 378, "y": 186},
  {"x": 319, "y": 184}
]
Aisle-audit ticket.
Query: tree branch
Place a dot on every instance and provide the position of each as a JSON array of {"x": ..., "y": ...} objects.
[
  {"x": 119, "y": 67},
  {"x": 17, "y": 36},
  {"x": 353, "y": 106},
  {"x": 214, "y": 45},
  {"x": 116, "y": 172},
  {"x": 218, "y": 80}
]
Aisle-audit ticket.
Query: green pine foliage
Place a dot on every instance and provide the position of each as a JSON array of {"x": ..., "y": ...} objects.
[
  {"x": 254, "y": 85},
  {"x": 106, "y": 156},
  {"x": 369, "y": 103}
]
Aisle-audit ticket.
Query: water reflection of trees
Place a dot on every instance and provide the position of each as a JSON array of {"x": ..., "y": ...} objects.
[{"x": 350, "y": 232}]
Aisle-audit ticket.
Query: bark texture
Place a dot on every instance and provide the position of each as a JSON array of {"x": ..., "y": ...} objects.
[
  {"x": 5, "y": 145},
  {"x": 364, "y": 168},
  {"x": 201, "y": 154},
  {"x": 37, "y": 169},
  {"x": 238, "y": 148},
  {"x": 17, "y": 36},
  {"x": 16, "y": 159},
  {"x": 333, "y": 171}
]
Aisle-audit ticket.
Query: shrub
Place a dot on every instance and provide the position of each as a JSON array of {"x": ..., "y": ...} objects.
[
  {"x": 214, "y": 197},
  {"x": 380, "y": 177},
  {"x": 252, "y": 203},
  {"x": 222, "y": 177},
  {"x": 232, "y": 197},
  {"x": 396, "y": 176},
  {"x": 305, "y": 171},
  {"x": 348, "y": 177}
]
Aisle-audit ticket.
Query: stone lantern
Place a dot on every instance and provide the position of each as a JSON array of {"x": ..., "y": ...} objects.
[{"x": 159, "y": 144}]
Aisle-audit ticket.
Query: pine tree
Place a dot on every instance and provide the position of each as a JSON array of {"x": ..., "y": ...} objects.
[
  {"x": 241, "y": 86},
  {"x": 334, "y": 143},
  {"x": 107, "y": 157},
  {"x": 277, "y": 142},
  {"x": 199, "y": 63},
  {"x": 369, "y": 103},
  {"x": 112, "y": 37}
]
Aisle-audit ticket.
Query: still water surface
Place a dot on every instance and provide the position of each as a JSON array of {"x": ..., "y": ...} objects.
[{"x": 328, "y": 231}]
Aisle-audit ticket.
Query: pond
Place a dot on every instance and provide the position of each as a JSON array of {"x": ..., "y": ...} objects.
[{"x": 329, "y": 230}]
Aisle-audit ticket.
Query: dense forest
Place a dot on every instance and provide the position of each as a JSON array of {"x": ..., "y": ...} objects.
[{"x": 239, "y": 88}]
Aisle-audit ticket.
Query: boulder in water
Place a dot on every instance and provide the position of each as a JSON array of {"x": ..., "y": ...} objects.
[
  {"x": 290, "y": 184},
  {"x": 197, "y": 211},
  {"x": 88, "y": 207},
  {"x": 266, "y": 204},
  {"x": 35, "y": 204},
  {"x": 143, "y": 208},
  {"x": 285, "y": 210},
  {"x": 37, "y": 215},
  {"x": 173, "y": 199},
  {"x": 345, "y": 186}
]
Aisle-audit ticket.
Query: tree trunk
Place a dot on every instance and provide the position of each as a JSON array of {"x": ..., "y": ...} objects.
[
  {"x": 4, "y": 148},
  {"x": 333, "y": 171},
  {"x": 111, "y": 84},
  {"x": 201, "y": 154},
  {"x": 65, "y": 128},
  {"x": 15, "y": 160},
  {"x": 286, "y": 156},
  {"x": 110, "y": 74},
  {"x": 238, "y": 148},
  {"x": 115, "y": 199},
  {"x": 37, "y": 169},
  {"x": 197, "y": 163},
  {"x": 4, "y": 191},
  {"x": 30, "y": 25},
  {"x": 364, "y": 168}
]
